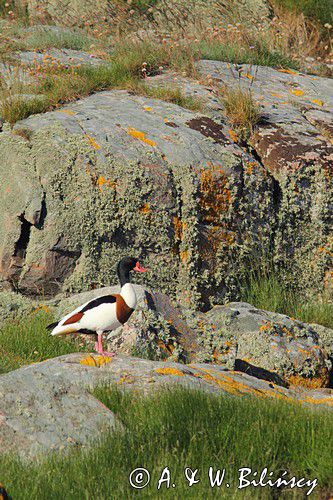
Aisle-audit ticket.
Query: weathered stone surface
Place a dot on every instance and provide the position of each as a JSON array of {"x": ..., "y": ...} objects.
[
  {"x": 125, "y": 180},
  {"x": 170, "y": 185},
  {"x": 207, "y": 11},
  {"x": 271, "y": 341},
  {"x": 47, "y": 406},
  {"x": 14, "y": 305},
  {"x": 65, "y": 57},
  {"x": 294, "y": 143}
]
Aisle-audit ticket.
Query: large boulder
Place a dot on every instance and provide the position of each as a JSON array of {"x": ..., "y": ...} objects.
[
  {"x": 117, "y": 174},
  {"x": 138, "y": 175},
  {"x": 252, "y": 338},
  {"x": 66, "y": 414}
]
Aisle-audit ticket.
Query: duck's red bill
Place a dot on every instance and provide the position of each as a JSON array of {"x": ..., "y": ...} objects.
[{"x": 139, "y": 269}]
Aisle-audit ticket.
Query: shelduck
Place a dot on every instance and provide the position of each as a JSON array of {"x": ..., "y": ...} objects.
[{"x": 106, "y": 313}]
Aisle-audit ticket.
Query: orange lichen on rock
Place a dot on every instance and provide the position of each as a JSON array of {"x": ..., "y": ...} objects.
[
  {"x": 102, "y": 181},
  {"x": 233, "y": 135},
  {"x": 178, "y": 227},
  {"x": 250, "y": 166},
  {"x": 96, "y": 361},
  {"x": 266, "y": 326},
  {"x": 92, "y": 142},
  {"x": 297, "y": 92},
  {"x": 310, "y": 383},
  {"x": 141, "y": 136},
  {"x": 215, "y": 195},
  {"x": 318, "y": 102},
  {"x": 42, "y": 307},
  {"x": 327, "y": 401},
  {"x": 287, "y": 70},
  {"x": 145, "y": 209},
  {"x": 169, "y": 371}
]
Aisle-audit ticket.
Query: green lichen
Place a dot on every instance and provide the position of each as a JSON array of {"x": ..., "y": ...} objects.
[{"x": 156, "y": 339}]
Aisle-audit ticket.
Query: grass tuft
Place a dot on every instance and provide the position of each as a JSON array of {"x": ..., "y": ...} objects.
[
  {"x": 242, "y": 111},
  {"x": 266, "y": 290}
]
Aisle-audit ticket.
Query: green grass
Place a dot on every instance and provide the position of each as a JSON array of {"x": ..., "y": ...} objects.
[
  {"x": 178, "y": 429},
  {"x": 259, "y": 55},
  {"x": 317, "y": 10},
  {"x": 43, "y": 38},
  {"x": 27, "y": 341},
  {"x": 267, "y": 291},
  {"x": 173, "y": 95}
]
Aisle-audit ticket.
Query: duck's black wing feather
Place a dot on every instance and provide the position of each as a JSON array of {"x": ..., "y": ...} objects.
[
  {"x": 106, "y": 299},
  {"x": 52, "y": 325}
]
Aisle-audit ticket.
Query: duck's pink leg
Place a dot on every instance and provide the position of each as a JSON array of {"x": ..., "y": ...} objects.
[{"x": 99, "y": 345}]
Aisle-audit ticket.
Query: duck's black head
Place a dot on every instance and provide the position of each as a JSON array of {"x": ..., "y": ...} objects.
[{"x": 125, "y": 266}]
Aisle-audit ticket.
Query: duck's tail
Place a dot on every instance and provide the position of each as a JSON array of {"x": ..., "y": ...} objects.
[{"x": 57, "y": 329}]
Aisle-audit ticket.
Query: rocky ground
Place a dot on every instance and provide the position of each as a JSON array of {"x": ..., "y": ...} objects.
[
  {"x": 124, "y": 171},
  {"x": 66, "y": 414}
]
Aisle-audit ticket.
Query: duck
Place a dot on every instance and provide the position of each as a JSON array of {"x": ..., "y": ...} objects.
[{"x": 105, "y": 313}]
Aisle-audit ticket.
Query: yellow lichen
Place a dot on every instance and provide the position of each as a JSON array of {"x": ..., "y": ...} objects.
[
  {"x": 289, "y": 71},
  {"x": 310, "y": 383},
  {"x": 328, "y": 401},
  {"x": 215, "y": 195},
  {"x": 67, "y": 112},
  {"x": 318, "y": 102},
  {"x": 141, "y": 136},
  {"x": 92, "y": 142},
  {"x": 169, "y": 371},
  {"x": 42, "y": 307},
  {"x": 102, "y": 181},
  {"x": 297, "y": 92},
  {"x": 96, "y": 361}
]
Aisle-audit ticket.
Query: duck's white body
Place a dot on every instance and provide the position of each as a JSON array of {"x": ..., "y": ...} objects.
[{"x": 100, "y": 314}]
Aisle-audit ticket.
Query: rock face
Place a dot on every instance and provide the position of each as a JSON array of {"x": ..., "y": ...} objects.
[
  {"x": 54, "y": 420},
  {"x": 237, "y": 336},
  {"x": 294, "y": 143},
  {"x": 118, "y": 173},
  {"x": 207, "y": 11},
  {"x": 62, "y": 56}
]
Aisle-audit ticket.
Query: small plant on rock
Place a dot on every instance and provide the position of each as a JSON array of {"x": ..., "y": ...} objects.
[{"x": 242, "y": 111}]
